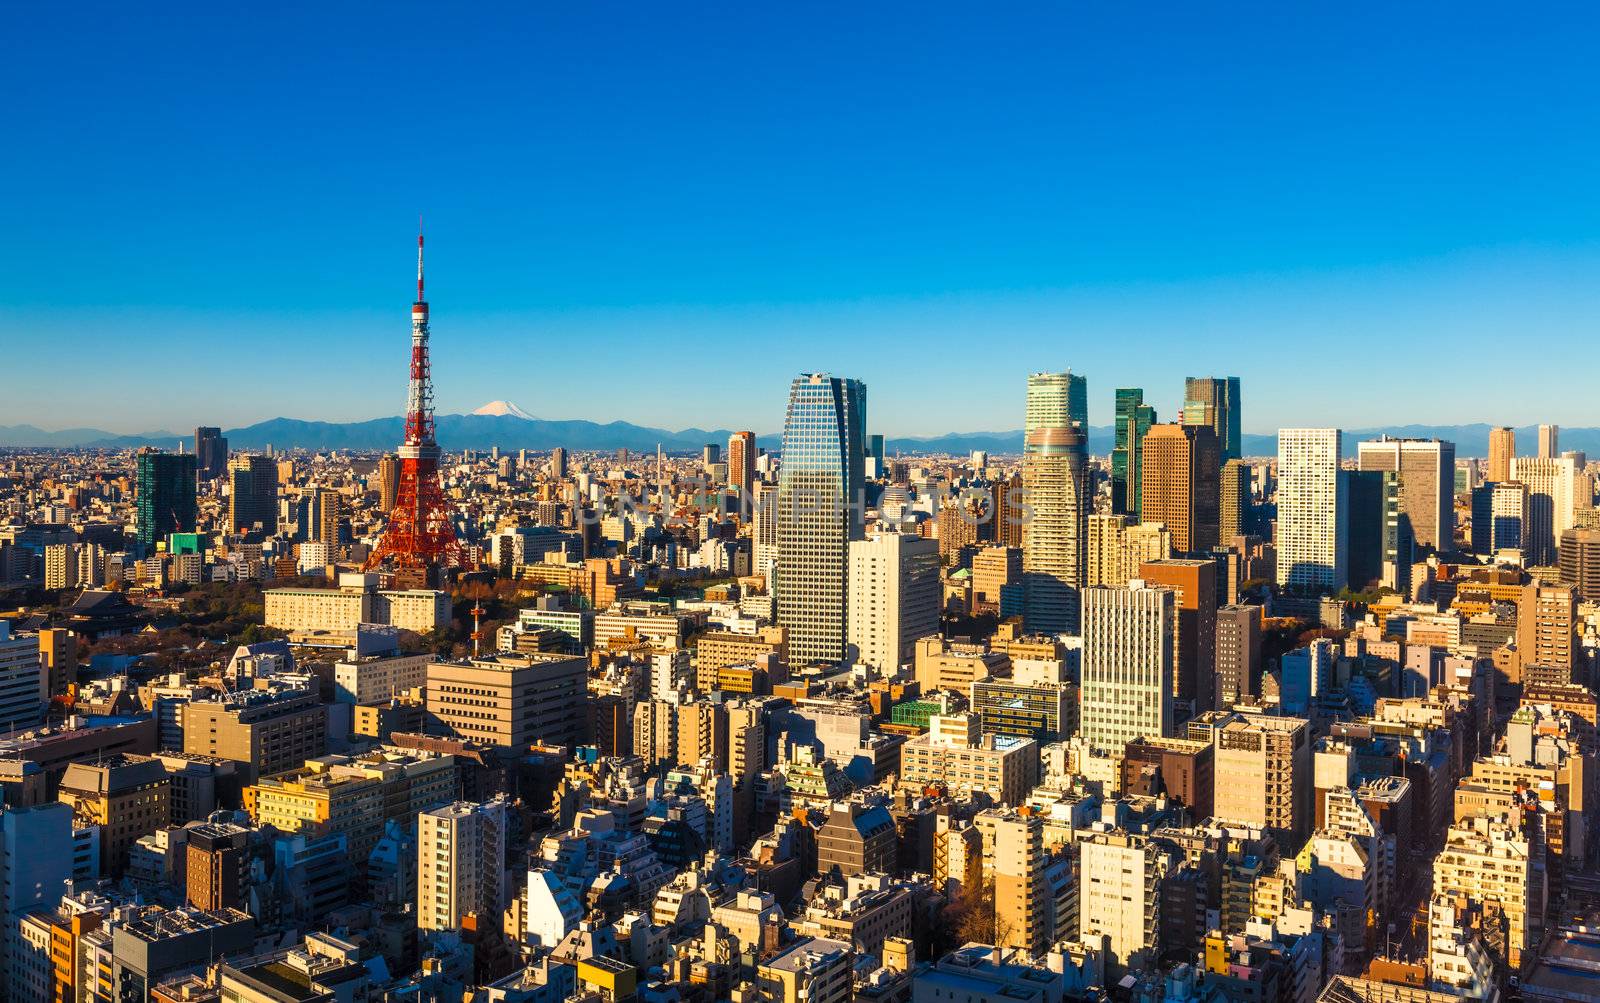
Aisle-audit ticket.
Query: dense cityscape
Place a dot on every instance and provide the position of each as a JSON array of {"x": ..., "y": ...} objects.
[{"x": 817, "y": 723}]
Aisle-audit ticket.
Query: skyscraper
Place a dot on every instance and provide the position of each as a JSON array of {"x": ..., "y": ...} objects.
[
  {"x": 165, "y": 489},
  {"x": 1238, "y": 654},
  {"x": 1132, "y": 420},
  {"x": 1194, "y": 587},
  {"x": 1427, "y": 469},
  {"x": 1549, "y": 442},
  {"x": 1057, "y": 400},
  {"x": 558, "y": 463},
  {"x": 1055, "y": 480},
  {"x": 1502, "y": 447},
  {"x": 1214, "y": 401},
  {"x": 210, "y": 452},
  {"x": 1128, "y": 636},
  {"x": 893, "y": 595},
  {"x": 1553, "y": 498},
  {"x": 1380, "y": 547},
  {"x": 253, "y": 494},
  {"x": 1179, "y": 473},
  {"x": 388, "y": 482},
  {"x": 821, "y": 488},
  {"x": 1313, "y": 511},
  {"x": 1499, "y": 513},
  {"x": 1233, "y": 502},
  {"x": 742, "y": 462}
]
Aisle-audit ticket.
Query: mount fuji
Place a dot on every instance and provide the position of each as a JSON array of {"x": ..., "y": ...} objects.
[{"x": 504, "y": 409}]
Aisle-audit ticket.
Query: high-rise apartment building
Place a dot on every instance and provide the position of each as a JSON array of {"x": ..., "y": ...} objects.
[
  {"x": 742, "y": 462},
  {"x": 165, "y": 491},
  {"x": 1120, "y": 882},
  {"x": 1128, "y": 653},
  {"x": 1549, "y": 442},
  {"x": 894, "y": 598},
  {"x": 1021, "y": 890},
  {"x": 1055, "y": 479},
  {"x": 821, "y": 486},
  {"x": 1490, "y": 860},
  {"x": 558, "y": 462},
  {"x": 1179, "y": 477},
  {"x": 1214, "y": 402},
  {"x": 1547, "y": 621},
  {"x": 461, "y": 865},
  {"x": 1263, "y": 768},
  {"x": 1556, "y": 490},
  {"x": 210, "y": 452},
  {"x": 1194, "y": 585},
  {"x": 1057, "y": 400},
  {"x": 1499, "y": 514},
  {"x": 1502, "y": 448},
  {"x": 1313, "y": 514},
  {"x": 388, "y": 482},
  {"x": 1427, "y": 469},
  {"x": 253, "y": 494},
  {"x": 328, "y": 509},
  {"x": 1238, "y": 654}
]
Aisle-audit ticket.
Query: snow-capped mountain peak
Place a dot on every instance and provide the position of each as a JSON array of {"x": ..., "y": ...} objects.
[{"x": 504, "y": 408}]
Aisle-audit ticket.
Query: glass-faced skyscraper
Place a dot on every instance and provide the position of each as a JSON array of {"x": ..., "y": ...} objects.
[
  {"x": 165, "y": 486},
  {"x": 1214, "y": 401},
  {"x": 820, "y": 506},
  {"x": 1132, "y": 420}
]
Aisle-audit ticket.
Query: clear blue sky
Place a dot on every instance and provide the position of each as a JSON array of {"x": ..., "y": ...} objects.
[{"x": 660, "y": 212}]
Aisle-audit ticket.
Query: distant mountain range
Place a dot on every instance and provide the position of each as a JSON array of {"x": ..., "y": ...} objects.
[{"x": 503, "y": 424}]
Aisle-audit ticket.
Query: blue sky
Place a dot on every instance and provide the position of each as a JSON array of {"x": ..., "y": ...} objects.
[{"x": 660, "y": 212}]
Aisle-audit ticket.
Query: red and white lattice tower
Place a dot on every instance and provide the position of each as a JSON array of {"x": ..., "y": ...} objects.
[{"x": 419, "y": 537}]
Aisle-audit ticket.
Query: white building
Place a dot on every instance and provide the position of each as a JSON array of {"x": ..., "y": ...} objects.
[
  {"x": 1556, "y": 490},
  {"x": 356, "y": 600},
  {"x": 893, "y": 598},
  {"x": 461, "y": 850},
  {"x": 553, "y": 910},
  {"x": 1126, "y": 691},
  {"x": 1120, "y": 895},
  {"x": 1313, "y": 509},
  {"x": 24, "y": 680},
  {"x": 369, "y": 680}
]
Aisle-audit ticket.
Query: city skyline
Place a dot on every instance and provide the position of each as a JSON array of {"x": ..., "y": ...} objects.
[{"x": 1036, "y": 199}]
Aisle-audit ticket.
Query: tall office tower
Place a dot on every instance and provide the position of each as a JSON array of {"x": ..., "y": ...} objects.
[
  {"x": 1380, "y": 547},
  {"x": 461, "y": 865},
  {"x": 1580, "y": 562},
  {"x": 893, "y": 596},
  {"x": 764, "y": 530},
  {"x": 1133, "y": 421},
  {"x": 1549, "y": 442},
  {"x": 710, "y": 453},
  {"x": 1502, "y": 447},
  {"x": 325, "y": 521},
  {"x": 1499, "y": 513},
  {"x": 1128, "y": 401},
  {"x": 1179, "y": 471},
  {"x": 1020, "y": 887},
  {"x": 1553, "y": 499},
  {"x": 1103, "y": 549},
  {"x": 253, "y": 494},
  {"x": 388, "y": 482},
  {"x": 1313, "y": 505},
  {"x": 1233, "y": 501},
  {"x": 1194, "y": 586},
  {"x": 742, "y": 462},
  {"x": 24, "y": 680},
  {"x": 1238, "y": 654},
  {"x": 1214, "y": 401},
  {"x": 1128, "y": 652},
  {"x": 1427, "y": 469},
  {"x": 165, "y": 489},
  {"x": 1120, "y": 885},
  {"x": 1009, "y": 512},
  {"x": 210, "y": 452},
  {"x": 1547, "y": 618},
  {"x": 558, "y": 463},
  {"x": 821, "y": 487},
  {"x": 1055, "y": 478},
  {"x": 1056, "y": 400}
]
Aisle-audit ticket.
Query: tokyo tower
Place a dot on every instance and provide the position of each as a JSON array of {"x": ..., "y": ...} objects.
[{"x": 419, "y": 538}]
